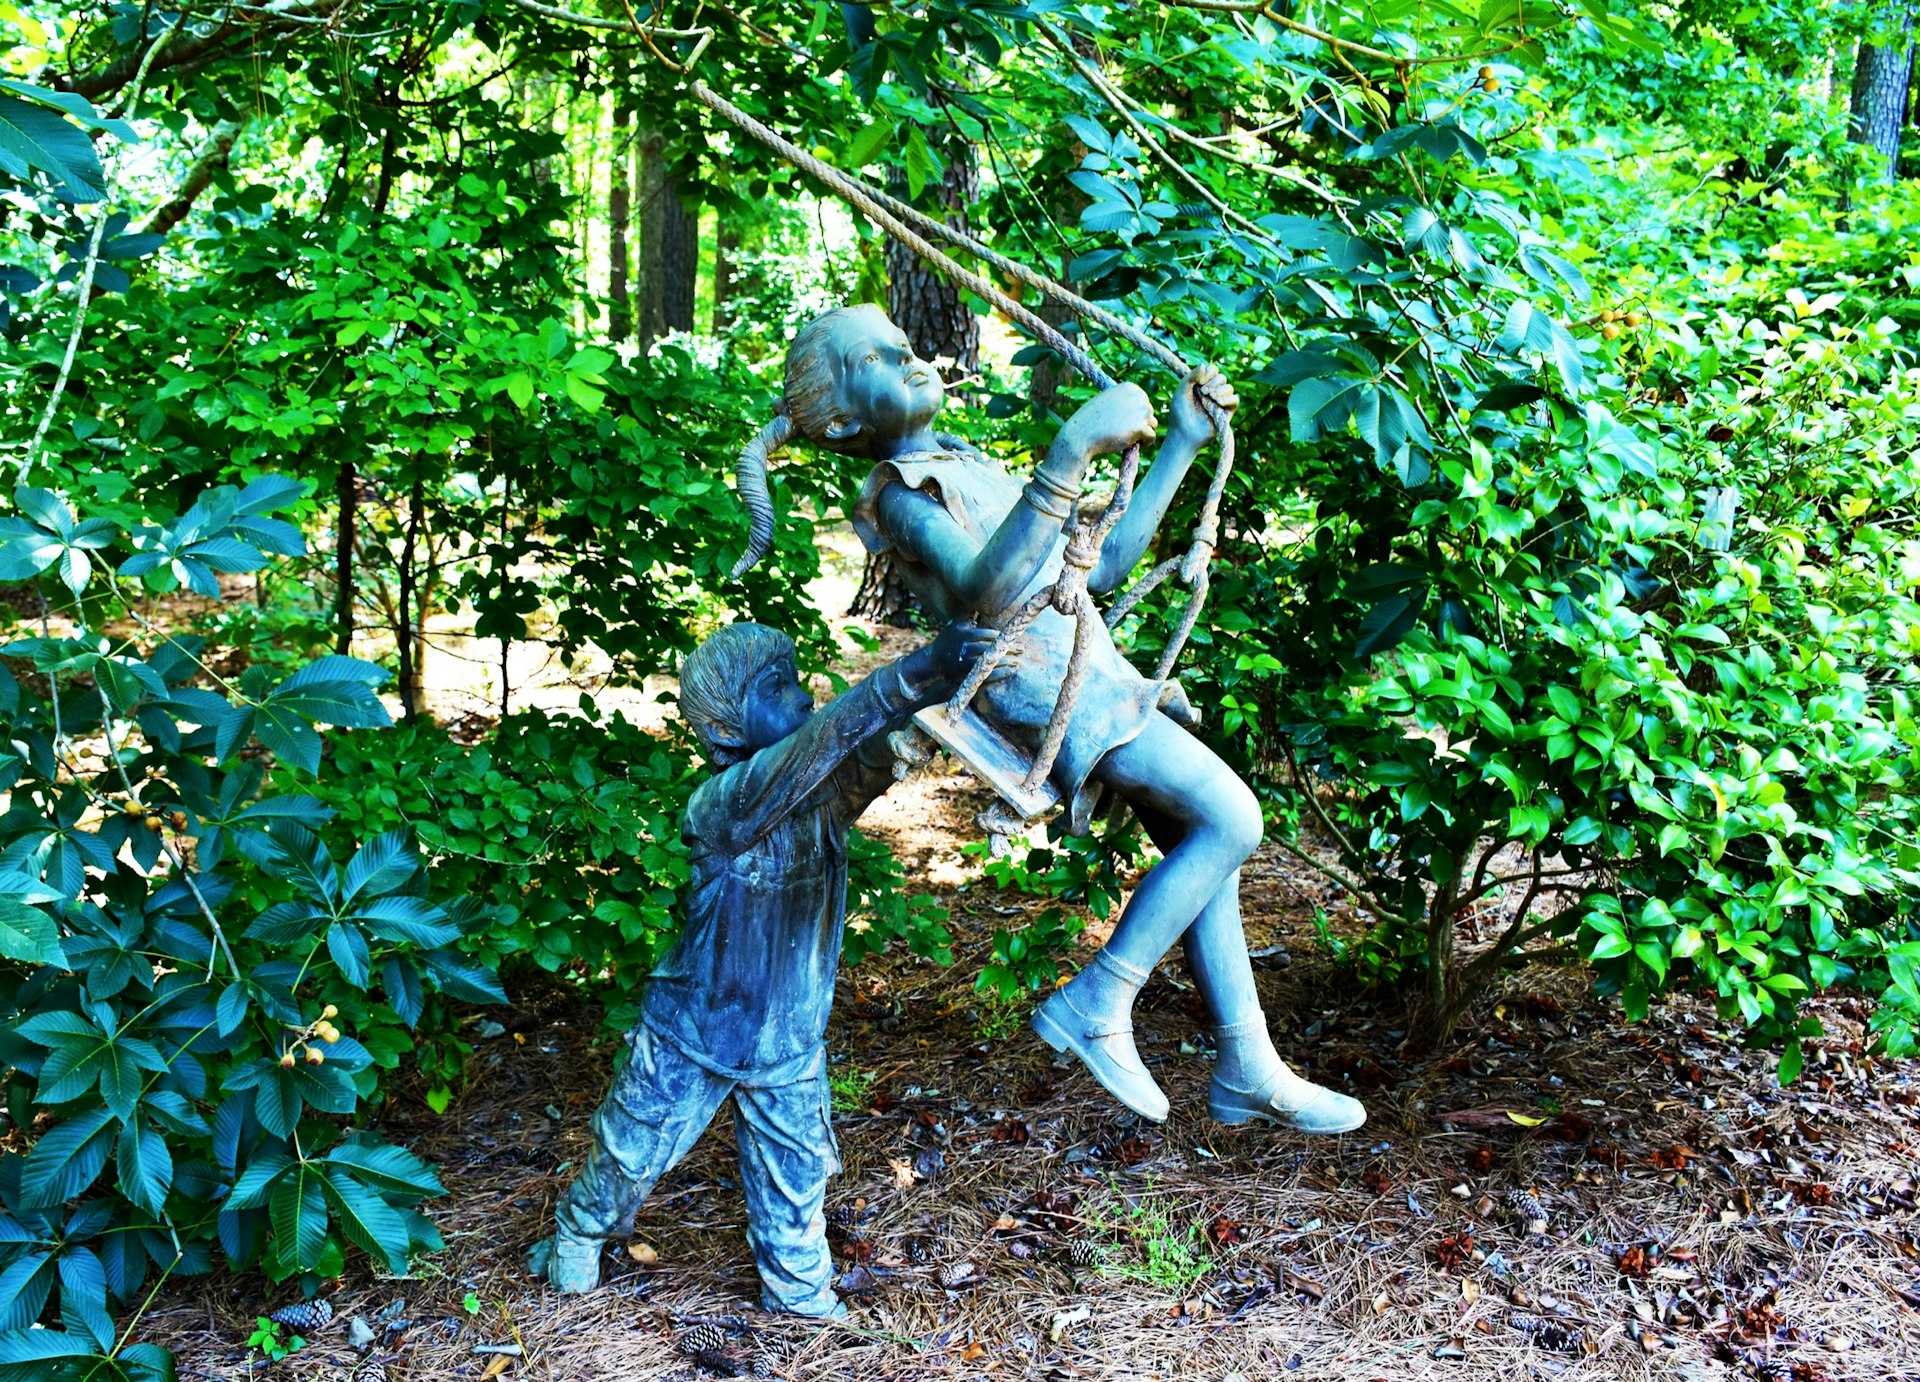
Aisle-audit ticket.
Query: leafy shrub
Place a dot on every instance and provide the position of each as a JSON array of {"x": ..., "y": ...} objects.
[
  {"x": 196, "y": 996},
  {"x": 1665, "y": 656},
  {"x": 568, "y": 826},
  {"x": 1083, "y": 871}
]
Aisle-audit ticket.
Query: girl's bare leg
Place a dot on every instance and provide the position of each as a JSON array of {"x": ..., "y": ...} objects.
[
  {"x": 1173, "y": 776},
  {"x": 1249, "y": 1078}
]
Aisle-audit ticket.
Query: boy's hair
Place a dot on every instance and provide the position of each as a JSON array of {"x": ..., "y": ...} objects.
[{"x": 714, "y": 681}]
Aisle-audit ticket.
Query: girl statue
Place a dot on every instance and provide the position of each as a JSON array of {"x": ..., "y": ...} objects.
[{"x": 968, "y": 538}]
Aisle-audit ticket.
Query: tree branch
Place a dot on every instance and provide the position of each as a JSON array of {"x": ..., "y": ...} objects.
[{"x": 212, "y": 160}]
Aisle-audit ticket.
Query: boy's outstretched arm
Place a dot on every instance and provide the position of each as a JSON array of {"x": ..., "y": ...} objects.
[{"x": 745, "y": 801}]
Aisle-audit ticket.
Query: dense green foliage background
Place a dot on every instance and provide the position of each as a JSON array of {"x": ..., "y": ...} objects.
[{"x": 1568, "y": 586}]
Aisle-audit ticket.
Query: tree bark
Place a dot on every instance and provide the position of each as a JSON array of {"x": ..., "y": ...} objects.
[
  {"x": 726, "y": 244},
  {"x": 649, "y": 309},
  {"x": 922, "y": 303},
  {"x": 212, "y": 160},
  {"x": 1877, "y": 108},
  {"x": 346, "y": 494},
  {"x": 679, "y": 259},
  {"x": 407, "y": 626},
  {"x": 619, "y": 210}
]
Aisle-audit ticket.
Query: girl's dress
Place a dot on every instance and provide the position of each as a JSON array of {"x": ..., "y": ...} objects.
[{"x": 1115, "y": 701}]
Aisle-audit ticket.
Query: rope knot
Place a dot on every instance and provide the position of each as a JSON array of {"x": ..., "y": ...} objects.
[{"x": 1083, "y": 551}]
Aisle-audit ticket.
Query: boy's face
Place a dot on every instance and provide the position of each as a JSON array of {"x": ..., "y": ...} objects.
[
  {"x": 882, "y": 382},
  {"x": 777, "y": 704}
]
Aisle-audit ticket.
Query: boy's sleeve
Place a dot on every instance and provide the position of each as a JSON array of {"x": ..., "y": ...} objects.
[
  {"x": 865, "y": 776},
  {"x": 750, "y": 798}
]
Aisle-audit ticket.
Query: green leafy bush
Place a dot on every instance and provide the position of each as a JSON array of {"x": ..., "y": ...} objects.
[
  {"x": 568, "y": 826},
  {"x": 1666, "y": 660},
  {"x": 196, "y": 996}
]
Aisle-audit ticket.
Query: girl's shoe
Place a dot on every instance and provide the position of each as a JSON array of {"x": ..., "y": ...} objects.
[
  {"x": 1099, "y": 1030},
  {"x": 1288, "y": 1100}
]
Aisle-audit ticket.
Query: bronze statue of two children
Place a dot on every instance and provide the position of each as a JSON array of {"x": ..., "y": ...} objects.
[{"x": 738, "y": 1008}]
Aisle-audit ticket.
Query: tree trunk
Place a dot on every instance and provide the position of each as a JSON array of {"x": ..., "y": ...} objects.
[
  {"x": 679, "y": 259},
  {"x": 923, "y": 304},
  {"x": 346, "y": 494},
  {"x": 726, "y": 243},
  {"x": 649, "y": 308},
  {"x": 1441, "y": 1013},
  {"x": 1878, "y": 106},
  {"x": 406, "y": 628},
  {"x": 619, "y": 209}
]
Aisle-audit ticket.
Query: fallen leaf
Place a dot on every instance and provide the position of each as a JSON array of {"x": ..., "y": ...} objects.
[
  {"x": 902, "y": 1168},
  {"x": 643, "y": 1253},
  {"x": 1525, "y": 1121},
  {"x": 496, "y": 1367}
]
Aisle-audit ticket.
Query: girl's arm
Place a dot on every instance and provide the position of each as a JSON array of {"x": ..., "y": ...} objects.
[
  {"x": 1153, "y": 495},
  {"x": 988, "y": 577}
]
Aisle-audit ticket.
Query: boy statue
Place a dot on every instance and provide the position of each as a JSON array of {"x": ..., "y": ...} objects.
[{"x": 738, "y": 1008}]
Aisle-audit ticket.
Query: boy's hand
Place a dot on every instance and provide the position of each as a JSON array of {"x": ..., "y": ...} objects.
[
  {"x": 1204, "y": 385},
  {"x": 945, "y": 662}
]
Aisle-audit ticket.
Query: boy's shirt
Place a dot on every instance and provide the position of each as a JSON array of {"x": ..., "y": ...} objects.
[{"x": 748, "y": 986}]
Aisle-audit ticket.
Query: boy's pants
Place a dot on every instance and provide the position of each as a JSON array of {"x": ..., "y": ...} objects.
[{"x": 658, "y": 1107}]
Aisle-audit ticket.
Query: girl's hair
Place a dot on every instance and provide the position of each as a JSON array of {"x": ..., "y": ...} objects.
[
  {"x": 812, "y": 381},
  {"x": 714, "y": 681}
]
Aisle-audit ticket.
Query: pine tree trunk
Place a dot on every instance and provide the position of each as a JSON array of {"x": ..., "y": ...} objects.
[
  {"x": 679, "y": 259},
  {"x": 1877, "y": 109},
  {"x": 650, "y": 319},
  {"x": 619, "y": 210},
  {"x": 923, "y": 304}
]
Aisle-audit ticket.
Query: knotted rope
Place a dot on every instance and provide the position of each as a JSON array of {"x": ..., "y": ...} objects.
[{"x": 1068, "y": 595}]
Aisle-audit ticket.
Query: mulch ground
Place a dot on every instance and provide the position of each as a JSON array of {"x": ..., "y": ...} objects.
[{"x": 1556, "y": 1194}]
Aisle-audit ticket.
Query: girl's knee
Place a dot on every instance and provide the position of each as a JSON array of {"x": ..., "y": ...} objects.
[{"x": 1233, "y": 816}]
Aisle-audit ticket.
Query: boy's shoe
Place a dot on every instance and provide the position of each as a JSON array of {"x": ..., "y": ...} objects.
[
  {"x": 570, "y": 1265},
  {"x": 1103, "y": 1038},
  {"x": 1287, "y": 1099}
]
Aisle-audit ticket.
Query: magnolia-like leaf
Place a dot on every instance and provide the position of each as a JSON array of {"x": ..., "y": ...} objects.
[
  {"x": 29, "y": 934},
  {"x": 369, "y": 1221},
  {"x": 389, "y": 1169},
  {"x": 298, "y": 1209},
  {"x": 67, "y": 1158}
]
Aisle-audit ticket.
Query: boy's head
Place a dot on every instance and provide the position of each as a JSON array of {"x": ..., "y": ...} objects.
[{"x": 740, "y": 692}]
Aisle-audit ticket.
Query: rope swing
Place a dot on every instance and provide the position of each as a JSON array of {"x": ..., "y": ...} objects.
[{"x": 1085, "y": 534}]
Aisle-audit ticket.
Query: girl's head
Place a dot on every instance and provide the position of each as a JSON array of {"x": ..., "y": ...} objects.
[{"x": 853, "y": 385}]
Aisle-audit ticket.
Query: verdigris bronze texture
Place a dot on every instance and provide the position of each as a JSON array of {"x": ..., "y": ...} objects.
[
  {"x": 738, "y": 1008},
  {"x": 973, "y": 542}
]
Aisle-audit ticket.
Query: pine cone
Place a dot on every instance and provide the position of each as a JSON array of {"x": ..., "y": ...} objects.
[
  {"x": 310, "y": 1314},
  {"x": 705, "y": 1337},
  {"x": 1528, "y": 1211},
  {"x": 1551, "y": 1335},
  {"x": 1083, "y": 1254},
  {"x": 371, "y": 1372},
  {"x": 765, "y": 1364}
]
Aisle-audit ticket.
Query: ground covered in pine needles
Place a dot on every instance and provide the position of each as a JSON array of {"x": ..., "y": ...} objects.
[{"x": 1556, "y": 1194}]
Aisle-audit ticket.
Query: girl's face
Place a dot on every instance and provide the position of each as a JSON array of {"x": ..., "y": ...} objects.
[{"x": 892, "y": 392}]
